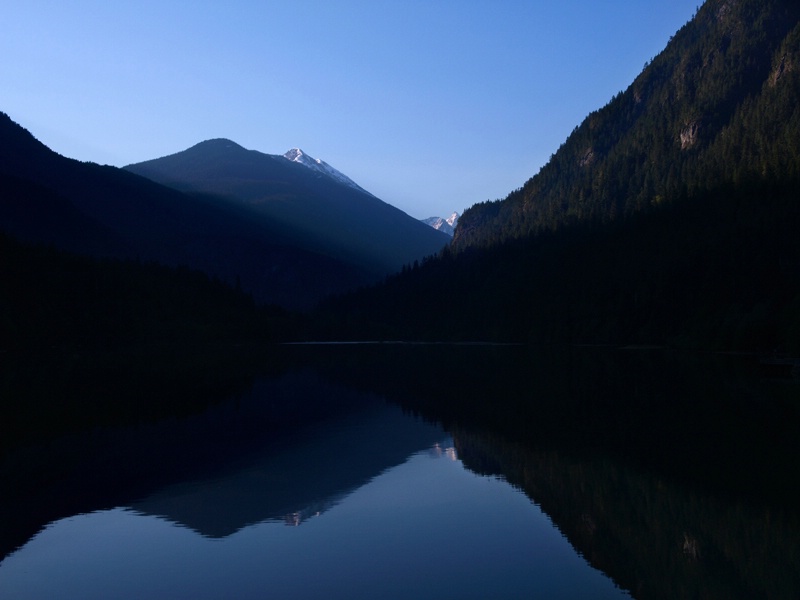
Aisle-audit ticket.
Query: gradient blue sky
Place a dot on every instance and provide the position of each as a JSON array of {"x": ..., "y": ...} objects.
[{"x": 430, "y": 105}]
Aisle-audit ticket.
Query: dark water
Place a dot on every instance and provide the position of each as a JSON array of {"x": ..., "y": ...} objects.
[{"x": 421, "y": 472}]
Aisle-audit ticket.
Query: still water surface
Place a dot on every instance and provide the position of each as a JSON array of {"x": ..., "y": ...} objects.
[
  {"x": 422, "y": 473},
  {"x": 425, "y": 528}
]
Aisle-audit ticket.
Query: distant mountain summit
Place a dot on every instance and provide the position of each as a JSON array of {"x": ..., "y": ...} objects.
[
  {"x": 447, "y": 225},
  {"x": 106, "y": 212},
  {"x": 298, "y": 156},
  {"x": 320, "y": 208}
]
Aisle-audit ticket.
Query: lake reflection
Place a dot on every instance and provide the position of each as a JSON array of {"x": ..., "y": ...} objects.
[
  {"x": 588, "y": 474},
  {"x": 426, "y": 528}
]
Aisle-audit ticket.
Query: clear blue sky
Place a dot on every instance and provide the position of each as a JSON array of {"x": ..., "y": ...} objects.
[{"x": 430, "y": 105}]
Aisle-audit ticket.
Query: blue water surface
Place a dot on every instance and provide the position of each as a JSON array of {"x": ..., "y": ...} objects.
[{"x": 425, "y": 528}]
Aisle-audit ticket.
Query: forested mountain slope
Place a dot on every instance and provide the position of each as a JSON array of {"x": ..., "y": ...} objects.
[
  {"x": 670, "y": 216},
  {"x": 719, "y": 105}
]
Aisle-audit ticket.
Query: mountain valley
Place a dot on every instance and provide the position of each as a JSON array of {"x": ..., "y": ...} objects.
[{"x": 668, "y": 216}]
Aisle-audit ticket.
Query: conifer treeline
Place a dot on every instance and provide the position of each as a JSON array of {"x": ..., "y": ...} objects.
[
  {"x": 52, "y": 298},
  {"x": 721, "y": 271}
]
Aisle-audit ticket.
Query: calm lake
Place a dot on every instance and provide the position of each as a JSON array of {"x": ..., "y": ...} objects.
[{"x": 407, "y": 471}]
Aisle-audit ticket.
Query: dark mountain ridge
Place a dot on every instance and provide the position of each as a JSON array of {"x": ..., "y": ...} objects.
[
  {"x": 102, "y": 211},
  {"x": 330, "y": 217}
]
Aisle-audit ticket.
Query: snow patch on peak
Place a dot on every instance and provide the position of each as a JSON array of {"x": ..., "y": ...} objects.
[
  {"x": 298, "y": 156},
  {"x": 447, "y": 225}
]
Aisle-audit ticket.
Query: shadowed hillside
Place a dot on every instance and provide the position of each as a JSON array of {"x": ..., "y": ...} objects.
[
  {"x": 103, "y": 211},
  {"x": 326, "y": 215}
]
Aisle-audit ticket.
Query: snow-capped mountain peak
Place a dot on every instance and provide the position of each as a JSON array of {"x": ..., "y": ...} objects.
[
  {"x": 315, "y": 164},
  {"x": 297, "y": 155},
  {"x": 447, "y": 225}
]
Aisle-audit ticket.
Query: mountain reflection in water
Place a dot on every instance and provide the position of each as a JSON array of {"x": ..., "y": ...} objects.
[
  {"x": 303, "y": 477},
  {"x": 672, "y": 475}
]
